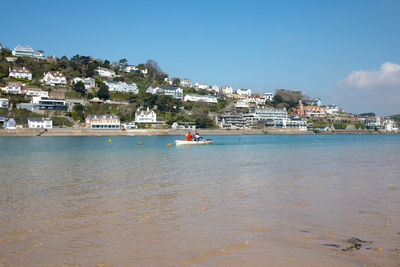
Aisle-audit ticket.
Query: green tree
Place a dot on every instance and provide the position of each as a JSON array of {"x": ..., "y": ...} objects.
[
  {"x": 77, "y": 112},
  {"x": 80, "y": 88},
  {"x": 176, "y": 82},
  {"x": 103, "y": 92}
]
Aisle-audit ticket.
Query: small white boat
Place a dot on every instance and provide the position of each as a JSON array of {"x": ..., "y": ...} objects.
[{"x": 193, "y": 142}]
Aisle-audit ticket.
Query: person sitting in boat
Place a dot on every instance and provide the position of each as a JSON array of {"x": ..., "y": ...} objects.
[
  {"x": 198, "y": 137},
  {"x": 189, "y": 136}
]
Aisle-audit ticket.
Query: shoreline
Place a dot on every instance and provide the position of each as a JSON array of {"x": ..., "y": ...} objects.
[{"x": 144, "y": 132}]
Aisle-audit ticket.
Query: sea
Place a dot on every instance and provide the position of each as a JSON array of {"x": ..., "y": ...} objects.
[{"x": 244, "y": 200}]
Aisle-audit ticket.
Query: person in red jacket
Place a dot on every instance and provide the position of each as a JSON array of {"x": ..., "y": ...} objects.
[{"x": 189, "y": 136}]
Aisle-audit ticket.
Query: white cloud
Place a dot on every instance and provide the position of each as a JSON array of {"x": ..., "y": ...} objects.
[{"x": 371, "y": 90}]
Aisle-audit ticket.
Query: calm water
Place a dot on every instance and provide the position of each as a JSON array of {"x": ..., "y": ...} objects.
[{"x": 241, "y": 201}]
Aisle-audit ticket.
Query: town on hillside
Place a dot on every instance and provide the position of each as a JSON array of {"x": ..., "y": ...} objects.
[{"x": 86, "y": 92}]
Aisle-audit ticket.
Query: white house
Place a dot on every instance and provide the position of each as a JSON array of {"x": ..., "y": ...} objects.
[
  {"x": 242, "y": 103},
  {"x": 269, "y": 96},
  {"x": 15, "y": 88},
  {"x": 175, "y": 92},
  {"x": 130, "y": 68},
  {"x": 118, "y": 86},
  {"x": 19, "y": 72},
  {"x": 105, "y": 72},
  {"x": 88, "y": 82},
  {"x": 145, "y": 116},
  {"x": 37, "y": 93},
  {"x": 389, "y": 125},
  {"x": 331, "y": 109},
  {"x": 184, "y": 82},
  {"x": 204, "y": 98},
  {"x": 199, "y": 86},
  {"x": 54, "y": 78},
  {"x": 214, "y": 88},
  {"x": 40, "y": 123},
  {"x": 184, "y": 126},
  {"x": 3, "y": 103},
  {"x": 243, "y": 92},
  {"x": 226, "y": 90},
  {"x": 20, "y": 51}
]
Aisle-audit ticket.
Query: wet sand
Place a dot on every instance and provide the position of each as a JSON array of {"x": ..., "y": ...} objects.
[{"x": 245, "y": 201}]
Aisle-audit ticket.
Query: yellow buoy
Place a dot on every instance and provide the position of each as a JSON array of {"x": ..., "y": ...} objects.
[
  {"x": 140, "y": 143},
  {"x": 109, "y": 140},
  {"x": 169, "y": 144}
]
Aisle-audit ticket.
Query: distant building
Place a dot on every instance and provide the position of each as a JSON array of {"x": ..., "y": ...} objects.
[
  {"x": 7, "y": 122},
  {"x": 3, "y": 103},
  {"x": 226, "y": 90},
  {"x": 145, "y": 116},
  {"x": 125, "y": 87},
  {"x": 44, "y": 103},
  {"x": 54, "y": 78},
  {"x": 22, "y": 73},
  {"x": 88, "y": 82},
  {"x": 105, "y": 72},
  {"x": 56, "y": 95},
  {"x": 40, "y": 123},
  {"x": 214, "y": 88},
  {"x": 299, "y": 123},
  {"x": 184, "y": 126},
  {"x": 231, "y": 122},
  {"x": 15, "y": 88},
  {"x": 246, "y": 92},
  {"x": 390, "y": 125},
  {"x": 38, "y": 92},
  {"x": 331, "y": 109},
  {"x": 310, "y": 111},
  {"x": 199, "y": 86},
  {"x": 204, "y": 98},
  {"x": 269, "y": 96},
  {"x": 184, "y": 82},
  {"x": 242, "y": 103},
  {"x": 130, "y": 68},
  {"x": 264, "y": 114},
  {"x": 102, "y": 122},
  {"x": 175, "y": 92},
  {"x": 20, "y": 51}
]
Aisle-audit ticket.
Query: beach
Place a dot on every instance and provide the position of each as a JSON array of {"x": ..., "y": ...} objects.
[{"x": 245, "y": 200}]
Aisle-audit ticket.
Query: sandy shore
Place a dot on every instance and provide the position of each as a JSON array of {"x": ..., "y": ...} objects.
[{"x": 90, "y": 132}]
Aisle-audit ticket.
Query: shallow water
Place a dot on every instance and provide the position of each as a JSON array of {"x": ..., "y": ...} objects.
[{"x": 241, "y": 201}]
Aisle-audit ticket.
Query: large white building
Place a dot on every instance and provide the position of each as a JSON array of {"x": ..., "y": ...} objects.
[
  {"x": 20, "y": 51},
  {"x": 40, "y": 123},
  {"x": 125, "y": 87},
  {"x": 88, "y": 82},
  {"x": 130, "y": 68},
  {"x": 22, "y": 73},
  {"x": 175, "y": 92},
  {"x": 105, "y": 72},
  {"x": 214, "y": 88},
  {"x": 226, "y": 90},
  {"x": 54, "y": 78},
  {"x": 261, "y": 114},
  {"x": 245, "y": 92},
  {"x": 184, "y": 82},
  {"x": 145, "y": 116},
  {"x": 204, "y": 98},
  {"x": 36, "y": 93}
]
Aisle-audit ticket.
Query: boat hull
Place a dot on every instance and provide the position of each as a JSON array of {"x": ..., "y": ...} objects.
[{"x": 200, "y": 142}]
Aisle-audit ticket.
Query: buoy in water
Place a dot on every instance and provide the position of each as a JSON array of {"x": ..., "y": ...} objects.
[
  {"x": 109, "y": 140},
  {"x": 169, "y": 144},
  {"x": 140, "y": 143}
]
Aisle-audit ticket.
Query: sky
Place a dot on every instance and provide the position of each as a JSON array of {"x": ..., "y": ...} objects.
[{"x": 346, "y": 52}]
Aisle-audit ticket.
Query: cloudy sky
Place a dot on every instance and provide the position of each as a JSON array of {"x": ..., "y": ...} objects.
[{"x": 345, "y": 51}]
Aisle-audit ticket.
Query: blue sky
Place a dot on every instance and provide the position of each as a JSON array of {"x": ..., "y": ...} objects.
[{"x": 262, "y": 45}]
